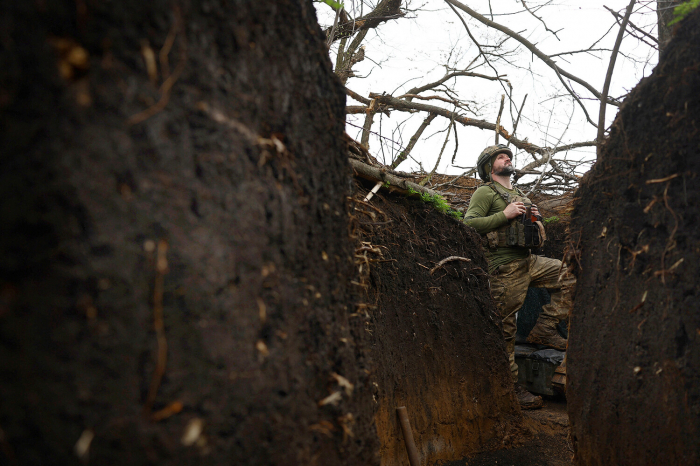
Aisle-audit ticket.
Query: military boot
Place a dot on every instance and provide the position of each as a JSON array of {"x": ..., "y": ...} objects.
[
  {"x": 526, "y": 399},
  {"x": 546, "y": 334}
]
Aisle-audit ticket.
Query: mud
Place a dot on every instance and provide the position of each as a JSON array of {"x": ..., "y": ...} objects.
[
  {"x": 221, "y": 209},
  {"x": 634, "y": 345},
  {"x": 543, "y": 441},
  {"x": 436, "y": 341}
]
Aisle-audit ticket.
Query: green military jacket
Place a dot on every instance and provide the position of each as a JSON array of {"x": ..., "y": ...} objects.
[{"x": 485, "y": 214}]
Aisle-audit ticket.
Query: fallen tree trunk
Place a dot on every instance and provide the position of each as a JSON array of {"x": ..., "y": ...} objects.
[{"x": 394, "y": 183}]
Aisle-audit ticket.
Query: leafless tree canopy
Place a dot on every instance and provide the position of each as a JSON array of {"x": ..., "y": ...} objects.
[{"x": 548, "y": 166}]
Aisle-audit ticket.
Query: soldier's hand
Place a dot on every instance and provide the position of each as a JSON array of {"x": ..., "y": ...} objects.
[
  {"x": 534, "y": 210},
  {"x": 514, "y": 209}
]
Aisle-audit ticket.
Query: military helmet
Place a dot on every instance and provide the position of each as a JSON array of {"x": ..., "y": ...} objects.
[{"x": 485, "y": 162}]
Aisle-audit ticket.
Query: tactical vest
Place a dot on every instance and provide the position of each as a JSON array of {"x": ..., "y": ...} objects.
[{"x": 526, "y": 231}]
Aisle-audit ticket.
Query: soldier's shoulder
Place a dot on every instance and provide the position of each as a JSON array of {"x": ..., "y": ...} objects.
[{"x": 484, "y": 189}]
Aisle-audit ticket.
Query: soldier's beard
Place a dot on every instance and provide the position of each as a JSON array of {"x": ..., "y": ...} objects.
[{"x": 505, "y": 171}]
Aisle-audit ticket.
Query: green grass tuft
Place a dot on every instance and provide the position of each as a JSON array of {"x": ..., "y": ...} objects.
[{"x": 683, "y": 10}]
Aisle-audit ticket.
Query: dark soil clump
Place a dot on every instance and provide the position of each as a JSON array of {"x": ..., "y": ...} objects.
[{"x": 634, "y": 346}]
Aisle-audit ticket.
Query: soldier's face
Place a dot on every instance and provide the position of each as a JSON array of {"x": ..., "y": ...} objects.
[{"x": 502, "y": 166}]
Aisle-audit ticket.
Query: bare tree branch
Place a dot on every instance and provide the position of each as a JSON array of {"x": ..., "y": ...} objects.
[
  {"x": 481, "y": 53},
  {"x": 357, "y": 96},
  {"x": 386, "y": 10},
  {"x": 608, "y": 76},
  {"x": 515, "y": 125},
  {"x": 350, "y": 57},
  {"x": 541, "y": 20},
  {"x": 418, "y": 90},
  {"x": 456, "y": 141},
  {"x": 432, "y": 97},
  {"x": 576, "y": 97},
  {"x": 403, "y": 105},
  {"x": 548, "y": 154},
  {"x": 369, "y": 119},
  {"x": 412, "y": 142},
  {"x": 355, "y": 109},
  {"x": 447, "y": 138},
  {"x": 530, "y": 46},
  {"x": 498, "y": 119},
  {"x": 643, "y": 32},
  {"x": 329, "y": 40},
  {"x": 574, "y": 146}
]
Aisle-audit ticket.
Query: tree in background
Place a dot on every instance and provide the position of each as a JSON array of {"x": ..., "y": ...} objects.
[{"x": 498, "y": 54}]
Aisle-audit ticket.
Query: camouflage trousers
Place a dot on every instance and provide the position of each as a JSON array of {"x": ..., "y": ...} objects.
[{"x": 509, "y": 289}]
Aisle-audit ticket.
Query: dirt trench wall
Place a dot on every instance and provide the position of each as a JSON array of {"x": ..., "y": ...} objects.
[
  {"x": 634, "y": 345},
  {"x": 221, "y": 209},
  {"x": 436, "y": 341}
]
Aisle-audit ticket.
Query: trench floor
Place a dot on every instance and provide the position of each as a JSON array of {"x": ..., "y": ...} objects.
[{"x": 544, "y": 441}]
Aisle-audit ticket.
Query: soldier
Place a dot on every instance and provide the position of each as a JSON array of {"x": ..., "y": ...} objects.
[{"x": 511, "y": 225}]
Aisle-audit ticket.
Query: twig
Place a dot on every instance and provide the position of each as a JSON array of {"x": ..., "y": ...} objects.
[
  {"x": 432, "y": 97},
  {"x": 376, "y": 134},
  {"x": 646, "y": 34},
  {"x": 541, "y": 20},
  {"x": 498, "y": 119},
  {"x": 481, "y": 52},
  {"x": 452, "y": 182},
  {"x": 446, "y": 260},
  {"x": 570, "y": 90},
  {"x": 432, "y": 172},
  {"x": 539, "y": 180},
  {"x": 608, "y": 76},
  {"x": 412, "y": 142},
  {"x": 454, "y": 154},
  {"x": 418, "y": 90},
  {"x": 515, "y": 125},
  {"x": 335, "y": 26}
]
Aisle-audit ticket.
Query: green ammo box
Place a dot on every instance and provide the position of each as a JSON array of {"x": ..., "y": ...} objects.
[{"x": 537, "y": 367}]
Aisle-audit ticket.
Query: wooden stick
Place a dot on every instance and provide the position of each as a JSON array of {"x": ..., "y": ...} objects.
[
  {"x": 411, "y": 449},
  {"x": 374, "y": 190}
]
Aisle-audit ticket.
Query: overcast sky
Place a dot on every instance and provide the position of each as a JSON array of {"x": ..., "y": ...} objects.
[{"x": 412, "y": 51}]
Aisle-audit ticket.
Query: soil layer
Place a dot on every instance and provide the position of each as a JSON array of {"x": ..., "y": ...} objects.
[
  {"x": 634, "y": 345},
  {"x": 436, "y": 340},
  {"x": 174, "y": 172}
]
